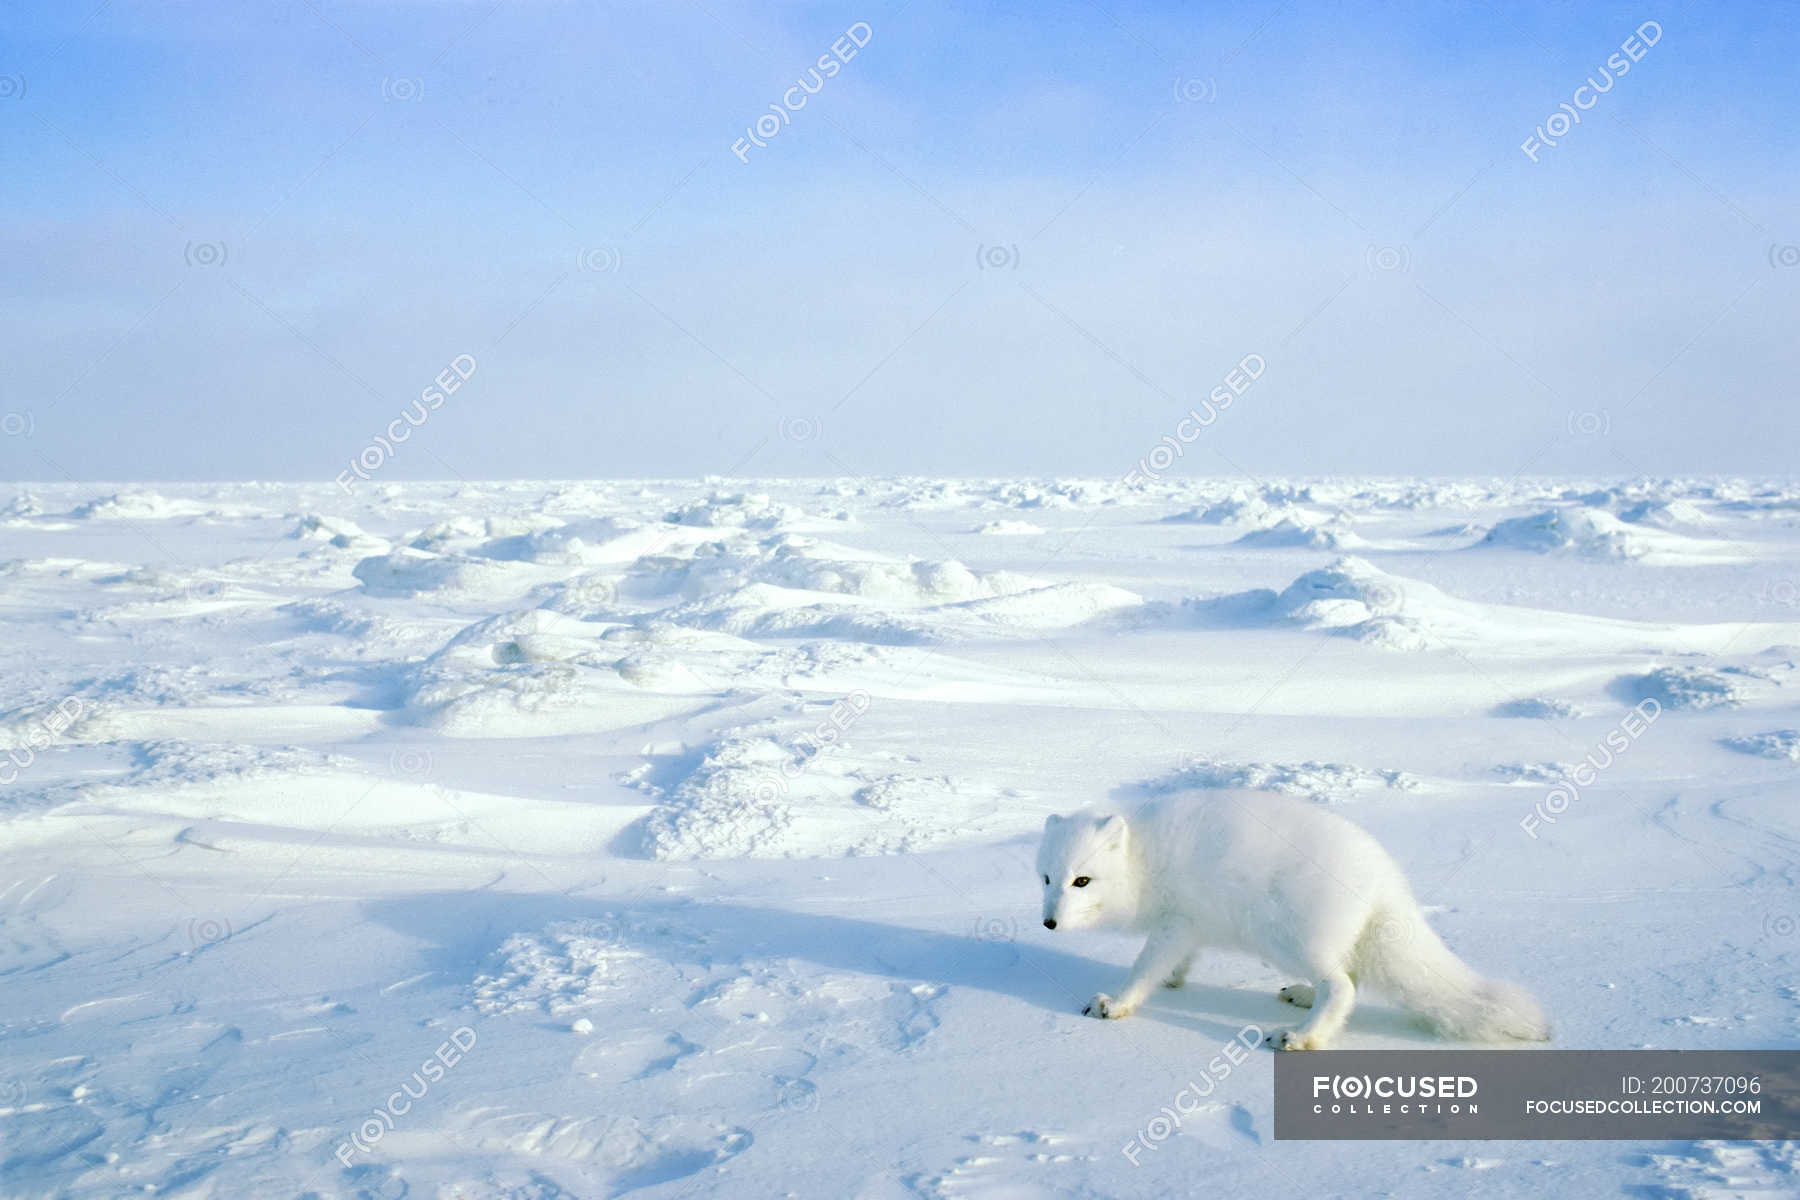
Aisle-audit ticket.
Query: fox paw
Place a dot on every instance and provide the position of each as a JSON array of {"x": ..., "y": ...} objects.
[
  {"x": 1106, "y": 1008},
  {"x": 1293, "y": 1039},
  {"x": 1300, "y": 995}
]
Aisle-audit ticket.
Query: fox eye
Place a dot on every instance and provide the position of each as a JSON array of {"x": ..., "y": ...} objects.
[
  {"x": 1081, "y": 881},
  {"x": 1046, "y": 879}
]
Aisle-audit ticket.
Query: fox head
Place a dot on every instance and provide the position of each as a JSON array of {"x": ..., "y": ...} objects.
[{"x": 1085, "y": 866}]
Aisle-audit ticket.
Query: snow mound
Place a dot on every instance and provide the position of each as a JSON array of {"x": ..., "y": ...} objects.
[
  {"x": 176, "y": 763},
  {"x": 1240, "y": 508},
  {"x": 1055, "y": 607},
  {"x": 1319, "y": 781},
  {"x": 340, "y": 533},
  {"x": 1664, "y": 514},
  {"x": 136, "y": 504},
  {"x": 1683, "y": 688},
  {"x": 1347, "y": 593},
  {"x": 789, "y": 587},
  {"x": 732, "y": 805},
  {"x": 594, "y": 542},
  {"x": 1291, "y": 532},
  {"x": 1354, "y": 598},
  {"x": 411, "y": 572},
  {"x": 1596, "y": 534},
  {"x": 1061, "y": 493},
  {"x": 741, "y": 510},
  {"x": 1534, "y": 773},
  {"x": 1008, "y": 529},
  {"x": 1543, "y": 708},
  {"x": 1777, "y": 743},
  {"x": 538, "y": 671},
  {"x": 566, "y": 967},
  {"x": 786, "y": 793}
]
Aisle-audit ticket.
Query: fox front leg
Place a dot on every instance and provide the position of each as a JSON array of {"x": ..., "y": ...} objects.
[{"x": 1162, "y": 954}]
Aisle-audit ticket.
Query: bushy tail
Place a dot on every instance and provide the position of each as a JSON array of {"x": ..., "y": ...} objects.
[{"x": 1403, "y": 958}]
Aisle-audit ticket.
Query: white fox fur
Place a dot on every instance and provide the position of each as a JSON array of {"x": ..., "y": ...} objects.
[{"x": 1298, "y": 886}]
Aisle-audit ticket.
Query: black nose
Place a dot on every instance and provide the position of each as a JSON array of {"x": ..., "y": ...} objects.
[{"x": 1049, "y": 923}]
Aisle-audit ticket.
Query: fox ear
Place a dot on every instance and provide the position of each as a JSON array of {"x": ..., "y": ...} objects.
[
  {"x": 1052, "y": 821},
  {"x": 1112, "y": 828}
]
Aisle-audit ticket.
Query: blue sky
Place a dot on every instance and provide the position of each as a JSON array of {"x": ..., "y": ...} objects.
[{"x": 242, "y": 238}]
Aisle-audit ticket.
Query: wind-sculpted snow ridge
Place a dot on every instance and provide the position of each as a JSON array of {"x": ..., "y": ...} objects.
[
  {"x": 1009, "y": 529},
  {"x": 1542, "y": 708},
  {"x": 1323, "y": 782},
  {"x": 569, "y": 966},
  {"x": 542, "y": 671},
  {"x": 1289, "y": 533},
  {"x": 1356, "y": 599},
  {"x": 749, "y": 510},
  {"x": 938, "y": 495},
  {"x": 1060, "y": 493},
  {"x": 1350, "y": 598},
  {"x": 733, "y": 804},
  {"x": 1594, "y": 533},
  {"x": 137, "y": 504},
  {"x": 339, "y": 533},
  {"x": 176, "y": 763},
  {"x": 408, "y": 572},
  {"x": 1686, "y": 688},
  {"x": 1665, "y": 514},
  {"x": 787, "y": 586},
  {"x": 1777, "y": 743},
  {"x": 793, "y": 790},
  {"x": 23, "y": 505},
  {"x": 1239, "y": 508},
  {"x": 1533, "y": 774}
]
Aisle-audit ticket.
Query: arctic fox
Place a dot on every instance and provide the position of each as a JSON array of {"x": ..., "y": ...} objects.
[{"x": 1300, "y": 887}]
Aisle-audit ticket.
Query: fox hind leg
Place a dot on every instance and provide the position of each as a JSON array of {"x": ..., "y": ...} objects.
[{"x": 1178, "y": 977}]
